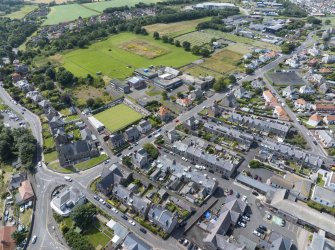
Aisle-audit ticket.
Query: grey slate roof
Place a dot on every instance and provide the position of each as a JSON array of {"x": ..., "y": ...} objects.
[{"x": 132, "y": 242}]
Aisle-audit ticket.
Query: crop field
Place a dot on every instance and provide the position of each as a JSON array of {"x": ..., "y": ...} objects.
[
  {"x": 26, "y": 9},
  {"x": 70, "y": 12},
  {"x": 118, "y": 117},
  {"x": 223, "y": 62},
  {"x": 196, "y": 38},
  {"x": 108, "y": 58},
  {"x": 175, "y": 29}
]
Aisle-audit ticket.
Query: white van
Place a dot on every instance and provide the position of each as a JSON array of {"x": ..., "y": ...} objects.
[{"x": 68, "y": 178}]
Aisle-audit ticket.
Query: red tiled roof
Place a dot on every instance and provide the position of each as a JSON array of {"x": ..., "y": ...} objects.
[
  {"x": 25, "y": 190},
  {"x": 6, "y": 240}
]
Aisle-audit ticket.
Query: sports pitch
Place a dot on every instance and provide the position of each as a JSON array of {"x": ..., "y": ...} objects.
[
  {"x": 120, "y": 55},
  {"x": 118, "y": 117}
]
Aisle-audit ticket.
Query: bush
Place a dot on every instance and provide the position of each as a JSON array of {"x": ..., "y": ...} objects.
[
  {"x": 321, "y": 208},
  {"x": 255, "y": 164}
]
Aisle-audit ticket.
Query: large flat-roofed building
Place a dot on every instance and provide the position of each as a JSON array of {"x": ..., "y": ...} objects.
[
  {"x": 211, "y": 5},
  {"x": 146, "y": 73},
  {"x": 167, "y": 81},
  {"x": 121, "y": 86}
]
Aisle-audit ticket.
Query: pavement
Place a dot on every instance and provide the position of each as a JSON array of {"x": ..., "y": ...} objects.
[{"x": 45, "y": 180}]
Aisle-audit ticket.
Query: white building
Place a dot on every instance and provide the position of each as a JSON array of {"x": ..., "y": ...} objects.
[{"x": 99, "y": 126}]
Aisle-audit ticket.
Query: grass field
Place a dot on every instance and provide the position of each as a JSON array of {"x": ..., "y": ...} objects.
[
  {"x": 118, "y": 117},
  {"x": 197, "y": 38},
  {"x": 84, "y": 92},
  {"x": 199, "y": 71},
  {"x": 91, "y": 162},
  {"x": 70, "y": 12},
  {"x": 26, "y": 9},
  {"x": 107, "y": 57},
  {"x": 223, "y": 62},
  {"x": 175, "y": 29}
]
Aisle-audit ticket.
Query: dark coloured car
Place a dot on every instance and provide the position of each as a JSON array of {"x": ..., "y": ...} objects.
[
  {"x": 261, "y": 231},
  {"x": 190, "y": 246},
  {"x": 255, "y": 193},
  {"x": 119, "y": 154},
  {"x": 143, "y": 230},
  {"x": 108, "y": 206},
  {"x": 149, "y": 136},
  {"x": 262, "y": 227},
  {"x": 96, "y": 197},
  {"x": 124, "y": 217}
]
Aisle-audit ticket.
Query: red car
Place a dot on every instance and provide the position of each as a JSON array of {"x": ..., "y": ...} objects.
[{"x": 176, "y": 120}]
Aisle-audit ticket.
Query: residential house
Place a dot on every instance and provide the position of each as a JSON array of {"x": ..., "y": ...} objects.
[
  {"x": 25, "y": 193},
  {"x": 22, "y": 69},
  {"x": 258, "y": 84},
  {"x": 277, "y": 181},
  {"x": 141, "y": 158},
  {"x": 16, "y": 180},
  {"x": 76, "y": 151},
  {"x": 191, "y": 123},
  {"x": 6, "y": 240},
  {"x": 323, "y": 196},
  {"x": 326, "y": 138},
  {"x": 184, "y": 102},
  {"x": 117, "y": 140},
  {"x": 325, "y": 71},
  {"x": 301, "y": 104},
  {"x": 242, "y": 93},
  {"x": 136, "y": 82},
  {"x": 195, "y": 94},
  {"x": 317, "y": 78},
  {"x": 314, "y": 51},
  {"x": 328, "y": 59},
  {"x": 24, "y": 86},
  {"x": 290, "y": 93},
  {"x": 16, "y": 77},
  {"x": 280, "y": 113},
  {"x": 55, "y": 123},
  {"x": 132, "y": 134},
  {"x": 111, "y": 176},
  {"x": 164, "y": 113},
  {"x": 324, "y": 107},
  {"x": 329, "y": 119},
  {"x": 277, "y": 241},
  {"x": 313, "y": 62},
  {"x": 306, "y": 90},
  {"x": 162, "y": 218},
  {"x": 324, "y": 88},
  {"x": 136, "y": 204},
  {"x": 132, "y": 242},
  {"x": 314, "y": 120},
  {"x": 269, "y": 98},
  {"x": 301, "y": 186},
  {"x": 293, "y": 62},
  {"x": 144, "y": 126},
  {"x": 34, "y": 96},
  {"x": 120, "y": 233},
  {"x": 61, "y": 137},
  {"x": 214, "y": 110},
  {"x": 230, "y": 101},
  {"x": 173, "y": 135},
  {"x": 44, "y": 104},
  {"x": 64, "y": 202},
  {"x": 86, "y": 134}
]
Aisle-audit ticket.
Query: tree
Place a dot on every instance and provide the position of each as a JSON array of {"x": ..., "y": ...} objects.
[
  {"x": 186, "y": 45},
  {"x": 195, "y": 50},
  {"x": 151, "y": 150},
  {"x": 64, "y": 77},
  {"x": 171, "y": 40},
  {"x": 156, "y": 35},
  {"x": 220, "y": 84},
  {"x": 249, "y": 71},
  {"x": 126, "y": 160},
  {"x": 232, "y": 79},
  {"x": 19, "y": 237},
  {"x": 327, "y": 22},
  {"x": 76, "y": 241},
  {"x": 165, "y": 39},
  {"x": 205, "y": 52},
  {"x": 177, "y": 43},
  {"x": 164, "y": 95},
  {"x": 190, "y": 88},
  {"x": 90, "y": 102},
  {"x": 180, "y": 95},
  {"x": 83, "y": 215}
]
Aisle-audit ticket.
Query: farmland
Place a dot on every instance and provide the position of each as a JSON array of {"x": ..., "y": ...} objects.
[
  {"x": 175, "y": 29},
  {"x": 118, "y": 117},
  {"x": 26, "y": 9},
  {"x": 70, "y": 12},
  {"x": 110, "y": 59}
]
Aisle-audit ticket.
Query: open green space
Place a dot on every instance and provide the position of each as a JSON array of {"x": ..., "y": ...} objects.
[
  {"x": 175, "y": 29},
  {"x": 91, "y": 162},
  {"x": 223, "y": 62},
  {"x": 70, "y": 12},
  {"x": 118, "y": 117},
  {"x": 109, "y": 58},
  {"x": 50, "y": 157},
  {"x": 26, "y": 9},
  {"x": 98, "y": 234},
  {"x": 56, "y": 167},
  {"x": 196, "y": 38}
]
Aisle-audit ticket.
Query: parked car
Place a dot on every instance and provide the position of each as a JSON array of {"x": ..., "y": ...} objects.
[
  {"x": 96, "y": 197},
  {"x": 246, "y": 218},
  {"x": 263, "y": 227},
  {"x": 132, "y": 222},
  {"x": 108, "y": 206},
  {"x": 124, "y": 217},
  {"x": 241, "y": 224},
  {"x": 260, "y": 230},
  {"x": 68, "y": 178},
  {"x": 115, "y": 210},
  {"x": 255, "y": 193},
  {"x": 244, "y": 198},
  {"x": 269, "y": 216},
  {"x": 143, "y": 230},
  {"x": 185, "y": 242},
  {"x": 255, "y": 232},
  {"x": 33, "y": 240}
]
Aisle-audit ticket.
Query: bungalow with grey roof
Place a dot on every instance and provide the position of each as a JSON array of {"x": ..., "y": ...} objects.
[{"x": 132, "y": 242}]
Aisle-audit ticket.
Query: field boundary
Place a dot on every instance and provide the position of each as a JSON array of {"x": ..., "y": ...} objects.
[{"x": 86, "y": 7}]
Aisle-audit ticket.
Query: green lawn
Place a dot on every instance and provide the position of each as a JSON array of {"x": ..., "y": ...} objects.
[
  {"x": 70, "y": 12},
  {"x": 49, "y": 142},
  {"x": 26, "y": 9},
  {"x": 118, "y": 117},
  {"x": 91, "y": 162},
  {"x": 49, "y": 157},
  {"x": 197, "y": 38},
  {"x": 98, "y": 234},
  {"x": 112, "y": 58}
]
